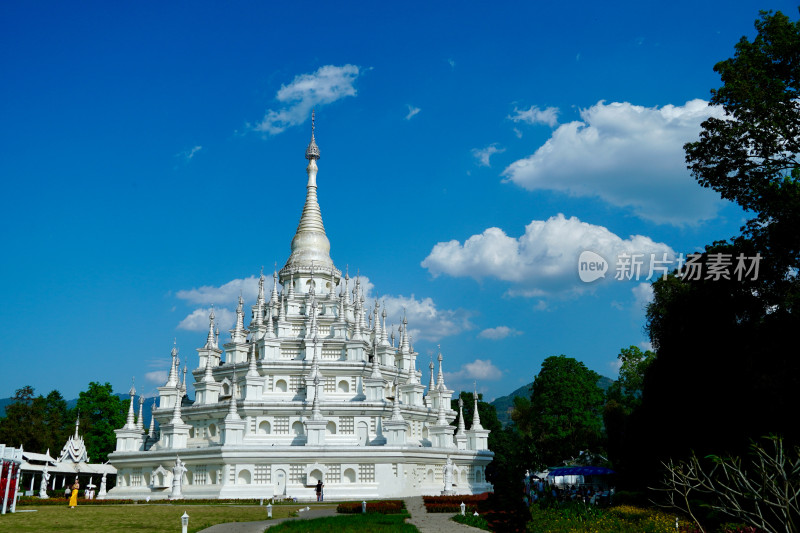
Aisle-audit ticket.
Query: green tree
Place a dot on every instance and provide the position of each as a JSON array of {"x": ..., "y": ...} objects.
[
  {"x": 627, "y": 390},
  {"x": 18, "y": 427},
  {"x": 565, "y": 409},
  {"x": 101, "y": 412},
  {"x": 725, "y": 372},
  {"x": 36, "y": 423},
  {"x": 751, "y": 155}
]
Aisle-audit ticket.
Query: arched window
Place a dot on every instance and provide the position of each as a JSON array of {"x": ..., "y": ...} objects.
[
  {"x": 349, "y": 475},
  {"x": 298, "y": 428},
  {"x": 264, "y": 428},
  {"x": 343, "y": 386},
  {"x": 244, "y": 477},
  {"x": 281, "y": 386},
  {"x": 330, "y": 428}
]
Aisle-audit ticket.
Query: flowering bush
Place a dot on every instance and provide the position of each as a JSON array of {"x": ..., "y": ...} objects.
[
  {"x": 380, "y": 507},
  {"x": 452, "y": 504},
  {"x": 620, "y": 519}
]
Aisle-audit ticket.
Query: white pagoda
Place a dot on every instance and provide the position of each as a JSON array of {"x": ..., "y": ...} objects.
[{"x": 309, "y": 391}]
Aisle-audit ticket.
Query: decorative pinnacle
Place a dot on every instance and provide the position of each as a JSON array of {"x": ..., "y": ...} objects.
[
  {"x": 312, "y": 152},
  {"x": 461, "y": 426},
  {"x": 476, "y": 418}
]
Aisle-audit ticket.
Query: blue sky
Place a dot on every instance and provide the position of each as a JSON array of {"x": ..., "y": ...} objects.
[{"x": 151, "y": 159}]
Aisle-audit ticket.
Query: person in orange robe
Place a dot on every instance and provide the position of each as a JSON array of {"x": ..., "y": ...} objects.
[{"x": 73, "y": 497}]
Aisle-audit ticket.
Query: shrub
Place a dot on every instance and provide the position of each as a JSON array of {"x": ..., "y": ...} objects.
[{"x": 379, "y": 507}]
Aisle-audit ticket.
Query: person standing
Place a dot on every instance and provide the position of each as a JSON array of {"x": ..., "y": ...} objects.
[
  {"x": 73, "y": 497},
  {"x": 318, "y": 489}
]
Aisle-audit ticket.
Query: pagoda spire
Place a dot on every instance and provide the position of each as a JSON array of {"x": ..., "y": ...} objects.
[
  {"x": 396, "y": 415},
  {"x": 274, "y": 297},
  {"x": 441, "y": 420},
  {"x": 140, "y": 420},
  {"x": 172, "y": 379},
  {"x": 461, "y": 427},
  {"x": 431, "y": 385},
  {"x": 77, "y": 422},
  {"x": 152, "y": 430},
  {"x": 176, "y": 411},
  {"x": 258, "y": 309},
  {"x": 476, "y": 418},
  {"x": 310, "y": 242},
  {"x": 183, "y": 384},
  {"x": 252, "y": 369},
  {"x": 376, "y": 371},
  {"x": 208, "y": 375},
  {"x": 129, "y": 423},
  {"x": 210, "y": 340},
  {"x": 404, "y": 348},
  {"x": 384, "y": 341},
  {"x": 233, "y": 414},
  {"x": 440, "y": 376},
  {"x": 238, "y": 332}
]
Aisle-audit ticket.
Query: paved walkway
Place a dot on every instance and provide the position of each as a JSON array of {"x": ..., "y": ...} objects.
[
  {"x": 424, "y": 521},
  {"x": 433, "y": 522}
]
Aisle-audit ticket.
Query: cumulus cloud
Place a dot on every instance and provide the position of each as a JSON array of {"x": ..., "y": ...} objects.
[
  {"x": 629, "y": 156},
  {"x": 544, "y": 260},
  {"x": 426, "y": 321},
  {"x": 483, "y": 154},
  {"x": 534, "y": 115},
  {"x": 412, "y": 111},
  {"x": 197, "y": 320},
  {"x": 226, "y": 293},
  {"x": 328, "y": 84},
  {"x": 478, "y": 370},
  {"x": 157, "y": 376},
  {"x": 500, "y": 332}
]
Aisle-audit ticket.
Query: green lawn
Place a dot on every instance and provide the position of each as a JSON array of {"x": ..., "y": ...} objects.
[
  {"x": 152, "y": 518},
  {"x": 358, "y": 523}
]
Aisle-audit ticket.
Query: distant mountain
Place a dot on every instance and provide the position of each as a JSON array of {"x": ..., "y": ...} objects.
[{"x": 505, "y": 404}]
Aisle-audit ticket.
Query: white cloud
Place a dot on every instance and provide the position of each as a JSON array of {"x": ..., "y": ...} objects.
[
  {"x": 478, "y": 370},
  {"x": 451, "y": 63},
  {"x": 189, "y": 154},
  {"x": 629, "y": 156},
  {"x": 518, "y": 133},
  {"x": 500, "y": 332},
  {"x": 483, "y": 154},
  {"x": 412, "y": 111},
  {"x": 425, "y": 320},
  {"x": 197, "y": 320},
  {"x": 543, "y": 261},
  {"x": 226, "y": 293},
  {"x": 157, "y": 376},
  {"x": 328, "y": 84},
  {"x": 642, "y": 295},
  {"x": 534, "y": 115}
]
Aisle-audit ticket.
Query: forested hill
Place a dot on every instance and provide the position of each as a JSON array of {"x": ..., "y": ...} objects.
[
  {"x": 505, "y": 404},
  {"x": 72, "y": 403}
]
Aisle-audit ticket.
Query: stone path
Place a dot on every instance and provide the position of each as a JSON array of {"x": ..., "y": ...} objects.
[
  {"x": 424, "y": 521},
  {"x": 433, "y": 522}
]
